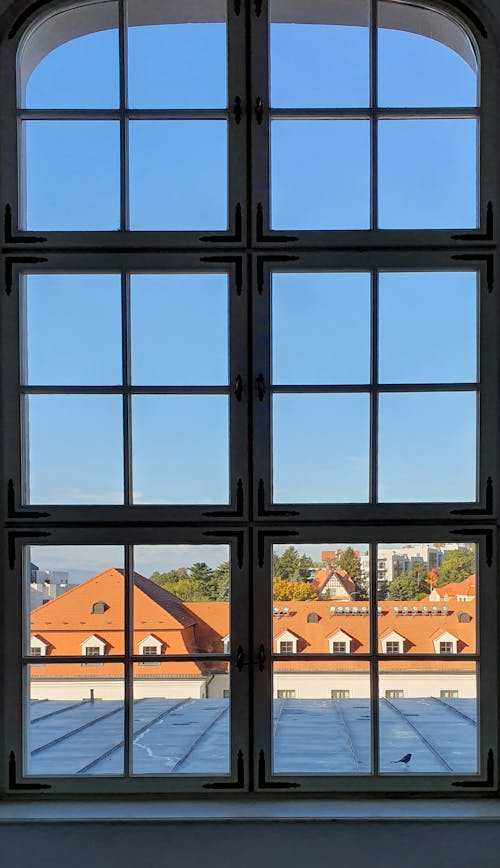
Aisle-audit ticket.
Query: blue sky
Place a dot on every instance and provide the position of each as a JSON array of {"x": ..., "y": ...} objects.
[{"x": 319, "y": 179}]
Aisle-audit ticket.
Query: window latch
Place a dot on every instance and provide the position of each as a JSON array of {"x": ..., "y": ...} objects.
[
  {"x": 261, "y": 387},
  {"x": 261, "y": 658},
  {"x": 240, "y": 658},
  {"x": 238, "y": 387},
  {"x": 237, "y": 111},
  {"x": 259, "y": 110}
]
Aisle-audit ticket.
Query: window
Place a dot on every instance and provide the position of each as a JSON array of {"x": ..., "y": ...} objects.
[
  {"x": 270, "y": 251},
  {"x": 392, "y": 648},
  {"x": 448, "y": 694},
  {"x": 339, "y": 647},
  {"x": 286, "y": 648},
  {"x": 446, "y": 647}
]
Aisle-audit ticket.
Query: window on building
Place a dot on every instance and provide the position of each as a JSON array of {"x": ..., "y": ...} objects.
[
  {"x": 339, "y": 647},
  {"x": 222, "y": 221},
  {"x": 99, "y": 608},
  {"x": 36, "y": 651},
  {"x": 393, "y": 648},
  {"x": 448, "y": 694},
  {"x": 446, "y": 647},
  {"x": 340, "y": 694},
  {"x": 286, "y": 648}
]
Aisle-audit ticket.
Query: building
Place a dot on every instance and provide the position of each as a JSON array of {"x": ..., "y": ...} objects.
[{"x": 88, "y": 622}]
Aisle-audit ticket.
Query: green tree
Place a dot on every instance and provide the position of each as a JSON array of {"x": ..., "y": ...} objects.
[
  {"x": 200, "y": 572},
  {"x": 221, "y": 575},
  {"x": 457, "y": 565},
  {"x": 169, "y": 577},
  {"x": 292, "y": 566},
  {"x": 404, "y": 587}
]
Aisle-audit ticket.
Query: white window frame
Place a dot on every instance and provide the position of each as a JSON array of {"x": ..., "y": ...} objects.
[{"x": 350, "y": 250}]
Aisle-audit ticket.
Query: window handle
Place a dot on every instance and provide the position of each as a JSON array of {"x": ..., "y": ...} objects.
[
  {"x": 237, "y": 110},
  {"x": 261, "y": 387},
  {"x": 238, "y": 387},
  {"x": 261, "y": 657},
  {"x": 259, "y": 110},
  {"x": 240, "y": 658}
]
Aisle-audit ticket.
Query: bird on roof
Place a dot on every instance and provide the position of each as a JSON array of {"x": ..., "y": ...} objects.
[{"x": 404, "y": 759}]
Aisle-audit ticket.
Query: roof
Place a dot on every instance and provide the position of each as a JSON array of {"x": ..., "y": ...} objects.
[
  {"x": 322, "y": 578},
  {"x": 186, "y": 628}
]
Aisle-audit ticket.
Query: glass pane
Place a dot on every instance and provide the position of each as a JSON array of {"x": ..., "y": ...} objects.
[
  {"x": 174, "y": 184},
  {"x": 88, "y": 622},
  {"x": 424, "y": 59},
  {"x": 331, "y": 701},
  {"x": 175, "y": 63},
  {"x": 179, "y": 329},
  {"x": 181, "y": 449},
  {"x": 423, "y": 728},
  {"x": 428, "y": 327},
  {"x": 75, "y": 720},
  {"x": 330, "y": 51},
  {"x": 181, "y": 719},
  {"x": 435, "y": 460},
  {"x": 303, "y": 306},
  {"x": 72, "y": 175},
  {"x": 75, "y": 447},
  {"x": 320, "y": 599},
  {"x": 427, "y": 598},
  {"x": 61, "y": 325},
  {"x": 320, "y": 448},
  {"x": 320, "y": 174},
  {"x": 434, "y": 185},
  {"x": 181, "y": 601},
  {"x": 70, "y": 60}
]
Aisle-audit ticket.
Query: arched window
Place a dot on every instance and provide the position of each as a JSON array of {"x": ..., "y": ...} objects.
[{"x": 250, "y": 316}]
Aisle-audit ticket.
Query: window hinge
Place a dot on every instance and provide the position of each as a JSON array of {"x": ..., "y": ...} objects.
[
  {"x": 10, "y": 261},
  {"x": 261, "y": 658},
  {"x": 258, "y": 7},
  {"x": 12, "y": 512},
  {"x": 272, "y": 785},
  {"x": 9, "y": 236},
  {"x": 13, "y": 784},
  {"x": 237, "y": 7},
  {"x": 261, "y": 387},
  {"x": 234, "y": 513},
  {"x": 488, "y": 503},
  {"x": 239, "y": 784},
  {"x": 240, "y": 658},
  {"x": 489, "y": 781},
  {"x": 237, "y": 235},
  {"x": 487, "y": 533},
  {"x": 261, "y": 505},
  {"x": 259, "y": 230},
  {"x": 230, "y": 533}
]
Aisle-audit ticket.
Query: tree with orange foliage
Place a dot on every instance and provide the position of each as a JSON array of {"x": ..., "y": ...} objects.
[{"x": 284, "y": 590}]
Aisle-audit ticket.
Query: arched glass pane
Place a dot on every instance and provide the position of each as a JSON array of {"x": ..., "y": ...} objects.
[
  {"x": 319, "y": 54},
  {"x": 424, "y": 59},
  {"x": 70, "y": 60},
  {"x": 177, "y": 55}
]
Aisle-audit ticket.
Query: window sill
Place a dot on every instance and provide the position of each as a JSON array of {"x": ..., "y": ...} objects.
[{"x": 271, "y": 810}]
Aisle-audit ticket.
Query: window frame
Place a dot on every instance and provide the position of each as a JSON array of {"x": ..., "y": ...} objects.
[{"x": 247, "y": 260}]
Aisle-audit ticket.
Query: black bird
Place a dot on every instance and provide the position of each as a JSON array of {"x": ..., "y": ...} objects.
[{"x": 404, "y": 759}]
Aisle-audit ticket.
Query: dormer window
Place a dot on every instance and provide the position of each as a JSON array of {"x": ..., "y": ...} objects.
[
  {"x": 393, "y": 643},
  {"x": 339, "y": 648},
  {"x": 93, "y": 647},
  {"x": 286, "y": 643},
  {"x": 446, "y": 643},
  {"x": 151, "y": 646},
  {"x": 227, "y": 644},
  {"x": 339, "y": 642},
  {"x": 38, "y": 648},
  {"x": 393, "y": 648},
  {"x": 286, "y": 648}
]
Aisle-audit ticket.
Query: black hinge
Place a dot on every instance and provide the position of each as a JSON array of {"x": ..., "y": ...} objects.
[
  {"x": 231, "y": 513},
  {"x": 261, "y": 505},
  {"x": 225, "y": 534},
  {"x": 13, "y": 784},
  {"x": 488, "y": 539},
  {"x": 259, "y": 226},
  {"x": 259, "y": 110},
  {"x": 237, "y": 234},
  {"x": 239, "y": 784},
  {"x": 261, "y": 658},
  {"x": 261, "y": 538},
  {"x": 10, "y": 261},
  {"x": 489, "y": 781},
  {"x": 261, "y": 262},
  {"x": 237, "y": 7},
  {"x": 488, "y": 258},
  {"x": 488, "y": 503},
  {"x": 240, "y": 658},
  {"x": 9, "y": 236},
  {"x": 261, "y": 387},
  {"x": 258, "y": 7},
  {"x": 238, "y": 387},
  {"x": 231, "y": 260},
  {"x": 487, "y": 235},
  {"x": 272, "y": 785},
  {"x": 16, "y": 534},
  {"x": 12, "y": 512}
]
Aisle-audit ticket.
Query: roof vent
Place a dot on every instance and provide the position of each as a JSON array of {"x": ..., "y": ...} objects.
[
  {"x": 313, "y": 618},
  {"x": 99, "y": 608},
  {"x": 464, "y": 617}
]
